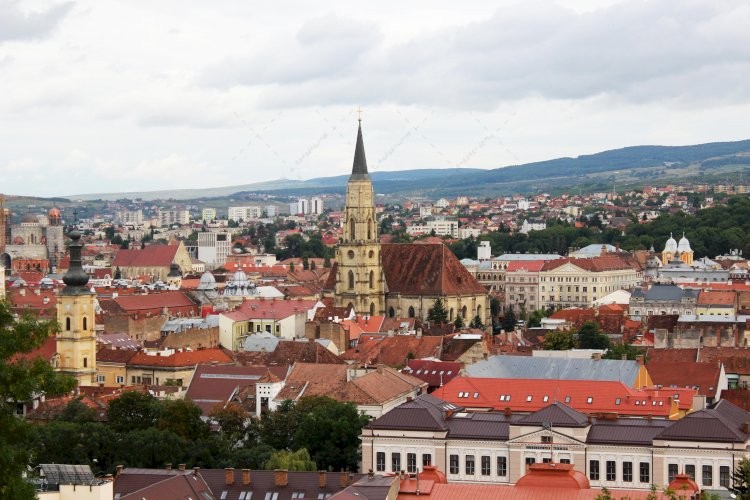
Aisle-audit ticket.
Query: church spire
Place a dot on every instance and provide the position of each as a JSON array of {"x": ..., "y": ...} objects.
[
  {"x": 76, "y": 278},
  {"x": 359, "y": 169}
]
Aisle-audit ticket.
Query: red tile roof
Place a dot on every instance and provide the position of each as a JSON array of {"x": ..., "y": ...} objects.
[
  {"x": 528, "y": 395},
  {"x": 151, "y": 256},
  {"x": 419, "y": 269},
  {"x": 169, "y": 299},
  {"x": 533, "y": 266},
  {"x": 435, "y": 373},
  {"x": 275, "y": 309},
  {"x": 609, "y": 262},
  {"x": 395, "y": 350},
  {"x": 704, "y": 376},
  {"x": 181, "y": 359},
  {"x": 716, "y": 298}
]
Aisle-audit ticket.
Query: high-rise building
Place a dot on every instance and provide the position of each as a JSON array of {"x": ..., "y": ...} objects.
[
  {"x": 129, "y": 217},
  {"x": 244, "y": 213},
  {"x": 169, "y": 217},
  {"x": 316, "y": 205},
  {"x": 213, "y": 248},
  {"x": 208, "y": 214},
  {"x": 303, "y": 206}
]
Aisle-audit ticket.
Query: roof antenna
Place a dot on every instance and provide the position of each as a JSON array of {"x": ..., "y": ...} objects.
[{"x": 359, "y": 114}]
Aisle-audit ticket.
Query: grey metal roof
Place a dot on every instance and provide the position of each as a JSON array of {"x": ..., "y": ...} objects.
[
  {"x": 663, "y": 292},
  {"x": 68, "y": 474},
  {"x": 425, "y": 412},
  {"x": 359, "y": 167},
  {"x": 495, "y": 426},
  {"x": 625, "y": 371},
  {"x": 722, "y": 423},
  {"x": 527, "y": 256},
  {"x": 261, "y": 342}
]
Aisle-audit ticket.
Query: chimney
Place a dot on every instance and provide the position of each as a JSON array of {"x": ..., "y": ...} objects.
[
  {"x": 169, "y": 466},
  {"x": 597, "y": 356},
  {"x": 624, "y": 357},
  {"x": 507, "y": 411},
  {"x": 380, "y": 368},
  {"x": 280, "y": 477},
  {"x": 419, "y": 332},
  {"x": 119, "y": 470},
  {"x": 322, "y": 481},
  {"x": 195, "y": 470},
  {"x": 181, "y": 466},
  {"x": 229, "y": 476},
  {"x": 246, "y": 480},
  {"x": 370, "y": 474},
  {"x": 745, "y": 427},
  {"x": 344, "y": 479},
  {"x": 22, "y": 292},
  {"x": 409, "y": 398},
  {"x": 639, "y": 359}
]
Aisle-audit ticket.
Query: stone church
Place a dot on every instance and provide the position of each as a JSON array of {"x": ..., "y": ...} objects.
[{"x": 396, "y": 280}]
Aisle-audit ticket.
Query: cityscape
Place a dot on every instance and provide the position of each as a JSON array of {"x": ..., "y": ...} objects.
[{"x": 387, "y": 307}]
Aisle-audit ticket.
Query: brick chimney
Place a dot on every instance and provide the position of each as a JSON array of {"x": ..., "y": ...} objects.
[
  {"x": 322, "y": 481},
  {"x": 229, "y": 476},
  {"x": 168, "y": 466},
  {"x": 639, "y": 359},
  {"x": 280, "y": 477},
  {"x": 119, "y": 469},
  {"x": 181, "y": 466},
  {"x": 344, "y": 479},
  {"x": 246, "y": 479}
]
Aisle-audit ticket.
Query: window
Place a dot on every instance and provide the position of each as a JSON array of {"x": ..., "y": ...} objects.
[
  {"x": 67, "y": 324},
  {"x": 245, "y": 495},
  {"x": 278, "y": 328},
  {"x": 645, "y": 472},
  {"x": 564, "y": 460},
  {"x": 627, "y": 472},
  {"x": 690, "y": 471},
  {"x": 486, "y": 466},
  {"x": 380, "y": 461},
  {"x": 594, "y": 470},
  {"x": 546, "y": 439},
  {"x": 351, "y": 280},
  {"x": 372, "y": 280},
  {"x": 101, "y": 378},
  {"x": 469, "y": 464},
  {"x": 85, "y": 362},
  {"x": 272, "y": 495},
  {"x": 411, "y": 462},
  {"x": 611, "y": 470},
  {"x": 708, "y": 475},
  {"x": 724, "y": 476},
  {"x": 671, "y": 472},
  {"x": 502, "y": 466},
  {"x": 530, "y": 460},
  {"x": 395, "y": 462},
  {"x": 298, "y": 495},
  {"x": 453, "y": 464},
  {"x": 84, "y": 323},
  {"x": 120, "y": 379},
  {"x": 411, "y": 312}
]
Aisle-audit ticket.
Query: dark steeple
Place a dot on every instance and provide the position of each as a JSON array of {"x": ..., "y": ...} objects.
[
  {"x": 75, "y": 279},
  {"x": 359, "y": 169}
]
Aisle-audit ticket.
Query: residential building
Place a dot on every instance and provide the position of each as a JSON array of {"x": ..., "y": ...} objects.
[
  {"x": 170, "y": 367},
  {"x": 662, "y": 299},
  {"x": 173, "y": 216},
  {"x": 316, "y": 205},
  {"x": 208, "y": 214},
  {"x": 244, "y": 213},
  {"x": 529, "y": 225},
  {"x": 213, "y": 248},
  {"x": 129, "y": 217}
]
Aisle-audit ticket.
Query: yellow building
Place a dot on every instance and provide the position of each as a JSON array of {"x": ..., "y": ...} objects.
[
  {"x": 76, "y": 342},
  {"x": 681, "y": 251}
]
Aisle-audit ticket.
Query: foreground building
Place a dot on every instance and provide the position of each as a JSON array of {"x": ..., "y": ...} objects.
[{"x": 499, "y": 447}]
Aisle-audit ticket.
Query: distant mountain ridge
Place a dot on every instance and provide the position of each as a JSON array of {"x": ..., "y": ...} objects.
[{"x": 624, "y": 165}]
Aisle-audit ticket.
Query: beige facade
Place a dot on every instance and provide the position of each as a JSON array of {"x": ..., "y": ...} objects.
[
  {"x": 572, "y": 286},
  {"x": 76, "y": 341},
  {"x": 417, "y": 306}
]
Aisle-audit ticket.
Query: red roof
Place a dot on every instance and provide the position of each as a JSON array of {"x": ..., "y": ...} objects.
[
  {"x": 168, "y": 299},
  {"x": 716, "y": 298},
  {"x": 554, "y": 475},
  {"x": 435, "y": 373},
  {"x": 602, "y": 263},
  {"x": 703, "y": 376},
  {"x": 270, "y": 309},
  {"x": 586, "y": 396},
  {"x": 533, "y": 266},
  {"x": 151, "y": 256},
  {"x": 181, "y": 359}
]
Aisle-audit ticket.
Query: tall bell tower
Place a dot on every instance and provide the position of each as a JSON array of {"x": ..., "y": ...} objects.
[
  {"x": 76, "y": 341},
  {"x": 359, "y": 278}
]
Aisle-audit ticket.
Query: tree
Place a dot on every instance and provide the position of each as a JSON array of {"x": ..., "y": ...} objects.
[
  {"x": 617, "y": 352},
  {"x": 76, "y": 412},
  {"x": 20, "y": 379},
  {"x": 327, "y": 262},
  {"x": 476, "y": 322},
  {"x": 133, "y": 411},
  {"x": 277, "y": 428},
  {"x": 313, "y": 266},
  {"x": 741, "y": 479},
  {"x": 183, "y": 417},
  {"x": 305, "y": 263},
  {"x": 437, "y": 313},
  {"x": 233, "y": 419},
  {"x": 509, "y": 319},
  {"x": 459, "y": 323},
  {"x": 291, "y": 460},
  {"x": 559, "y": 341},
  {"x": 535, "y": 318},
  {"x": 590, "y": 336}
]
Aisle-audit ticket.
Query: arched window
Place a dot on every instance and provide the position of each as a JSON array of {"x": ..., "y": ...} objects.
[
  {"x": 391, "y": 312},
  {"x": 479, "y": 311},
  {"x": 463, "y": 312},
  {"x": 351, "y": 229},
  {"x": 372, "y": 308},
  {"x": 411, "y": 312},
  {"x": 67, "y": 324},
  {"x": 84, "y": 323},
  {"x": 369, "y": 229},
  {"x": 450, "y": 315},
  {"x": 372, "y": 279},
  {"x": 85, "y": 362},
  {"x": 351, "y": 280}
]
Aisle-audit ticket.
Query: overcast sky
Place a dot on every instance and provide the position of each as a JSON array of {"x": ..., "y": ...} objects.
[{"x": 107, "y": 96}]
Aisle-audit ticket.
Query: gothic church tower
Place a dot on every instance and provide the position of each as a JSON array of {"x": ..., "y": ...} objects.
[
  {"x": 76, "y": 341},
  {"x": 359, "y": 278}
]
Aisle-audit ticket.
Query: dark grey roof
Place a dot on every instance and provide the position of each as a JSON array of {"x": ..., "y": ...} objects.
[
  {"x": 423, "y": 413},
  {"x": 376, "y": 487},
  {"x": 635, "y": 431},
  {"x": 68, "y": 474},
  {"x": 557, "y": 415},
  {"x": 721, "y": 423},
  {"x": 494, "y": 426},
  {"x": 359, "y": 168},
  {"x": 625, "y": 371},
  {"x": 674, "y": 293}
]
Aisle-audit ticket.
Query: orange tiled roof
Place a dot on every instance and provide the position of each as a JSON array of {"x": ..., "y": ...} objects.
[
  {"x": 716, "y": 298},
  {"x": 151, "y": 256},
  {"x": 181, "y": 359}
]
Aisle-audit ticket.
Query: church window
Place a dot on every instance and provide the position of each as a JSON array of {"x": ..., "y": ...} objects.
[
  {"x": 351, "y": 280},
  {"x": 67, "y": 324},
  {"x": 450, "y": 315},
  {"x": 85, "y": 321},
  {"x": 369, "y": 229},
  {"x": 350, "y": 254},
  {"x": 463, "y": 312},
  {"x": 391, "y": 312},
  {"x": 351, "y": 229},
  {"x": 372, "y": 279},
  {"x": 85, "y": 362},
  {"x": 372, "y": 308},
  {"x": 411, "y": 312},
  {"x": 479, "y": 311},
  {"x": 371, "y": 254}
]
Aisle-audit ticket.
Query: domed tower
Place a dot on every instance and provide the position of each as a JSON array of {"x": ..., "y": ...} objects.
[
  {"x": 55, "y": 237},
  {"x": 359, "y": 276},
  {"x": 686, "y": 253},
  {"x": 670, "y": 249},
  {"x": 76, "y": 341}
]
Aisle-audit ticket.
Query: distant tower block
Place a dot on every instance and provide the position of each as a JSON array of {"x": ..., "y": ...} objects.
[{"x": 484, "y": 251}]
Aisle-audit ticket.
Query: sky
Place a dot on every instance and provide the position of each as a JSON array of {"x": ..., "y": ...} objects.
[{"x": 136, "y": 95}]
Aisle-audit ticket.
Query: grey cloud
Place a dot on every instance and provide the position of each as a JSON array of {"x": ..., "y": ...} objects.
[
  {"x": 15, "y": 24},
  {"x": 634, "y": 51}
]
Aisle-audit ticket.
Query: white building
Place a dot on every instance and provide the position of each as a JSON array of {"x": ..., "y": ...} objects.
[
  {"x": 484, "y": 251},
  {"x": 316, "y": 205},
  {"x": 303, "y": 206},
  {"x": 213, "y": 248},
  {"x": 533, "y": 225},
  {"x": 271, "y": 210},
  {"x": 129, "y": 217},
  {"x": 442, "y": 226},
  {"x": 425, "y": 211},
  {"x": 208, "y": 214},
  {"x": 244, "y": 213},
  {"x": 169, "y": 217}
]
